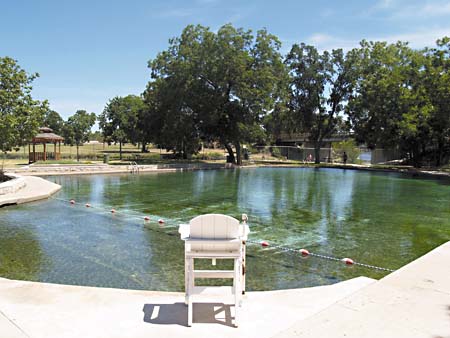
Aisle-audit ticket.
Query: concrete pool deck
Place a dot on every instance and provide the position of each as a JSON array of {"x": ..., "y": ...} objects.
[
  {"x": 92, "y": 169},
  {"x": 34, "y": 189},
  {"x": 414, "y": 301}
]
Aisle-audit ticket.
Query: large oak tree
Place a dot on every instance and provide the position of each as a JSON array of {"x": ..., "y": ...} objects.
[{"x": 216, "y": 86}]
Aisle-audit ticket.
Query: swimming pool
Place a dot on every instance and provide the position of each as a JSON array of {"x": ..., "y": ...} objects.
[{"x": 383, "y": 219}]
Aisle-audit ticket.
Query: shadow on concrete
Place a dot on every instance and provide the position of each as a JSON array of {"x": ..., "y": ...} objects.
[
  {"x": 176, "y": 314},
  {"x": 448, "y": 312}
]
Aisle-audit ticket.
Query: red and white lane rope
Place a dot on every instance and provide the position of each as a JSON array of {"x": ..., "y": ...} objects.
[
  {"x": 306, "y": 253},
  {"x": 264, "y": 244}
]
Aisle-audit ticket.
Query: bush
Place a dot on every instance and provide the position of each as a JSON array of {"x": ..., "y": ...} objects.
[
  {"x": 350, "y": 148},
  {"x": 275, "y": 152},
  {"x": 214, "y": 155}
]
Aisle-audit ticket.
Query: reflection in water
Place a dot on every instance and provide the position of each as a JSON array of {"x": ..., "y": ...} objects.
[{"x": 380, "y": 219}]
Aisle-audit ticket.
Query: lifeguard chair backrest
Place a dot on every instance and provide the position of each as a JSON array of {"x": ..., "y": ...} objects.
[{"x": 214, "y": 227}]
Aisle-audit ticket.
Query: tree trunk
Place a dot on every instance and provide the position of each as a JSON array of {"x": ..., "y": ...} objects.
[
  {"x": 3, "y": 162},
  {"x": 144, "y": 146},
  {"x": 439, "y": 154},
  {"x": 238, "y": 153},
  {"x": 230, "y": 153},
  {"x": 317, "y": 147},
  {"x": 120, "y": 150},
  {"x": 78, "y": 154},
  {"x": 416, "y": 158}
]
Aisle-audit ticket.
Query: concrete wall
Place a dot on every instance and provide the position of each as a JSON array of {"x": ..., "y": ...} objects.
[{"x": 13, "y": 185}]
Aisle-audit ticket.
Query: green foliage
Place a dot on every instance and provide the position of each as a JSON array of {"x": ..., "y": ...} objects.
[
  {"x": 119, "y": 120},
  {"x": 213, "y": 86},
  {"x": 402, "y": 98},
  {"x": 78, "y": 128},
  {"x": 437, "y": 85},
  {"x": 170, "y": 123},
  {"x": 276, "y": 152},
  {"x": 54, "y": 121},
  {"x": 214, "y": 155},
  {"x": 20, "y": 114},
  {"x": 319, "y": 85},
  {"x": 350, "y": 148},
  {"x": 96, "y": 136}
]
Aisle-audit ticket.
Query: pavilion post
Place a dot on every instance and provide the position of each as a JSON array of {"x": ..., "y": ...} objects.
[
  {"x": 34, "y": 152},
  {"x": 45, "y": 152}
]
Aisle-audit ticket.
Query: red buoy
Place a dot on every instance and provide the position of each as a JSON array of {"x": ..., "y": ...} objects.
[
  {"x": 88, "y": 205},
  {"x": 304, "y": 252},
  {"x": 113, "y": 211},
  {"x": 146, "y": 218},
  {"x": 72, "y": 201},
  {"x": 264, "y": 244},
  {"x": 161, "y": 221},
  {"x": 348, "y": 261}
]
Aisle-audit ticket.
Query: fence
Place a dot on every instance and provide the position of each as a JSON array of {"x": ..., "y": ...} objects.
[{"x": 292, "y": 153}]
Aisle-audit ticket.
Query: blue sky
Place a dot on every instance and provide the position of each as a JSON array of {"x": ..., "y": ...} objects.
[{"x": 90, "y": 51}]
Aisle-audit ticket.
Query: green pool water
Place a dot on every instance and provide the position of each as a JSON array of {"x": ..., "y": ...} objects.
[{"x": 380, "y": 219}]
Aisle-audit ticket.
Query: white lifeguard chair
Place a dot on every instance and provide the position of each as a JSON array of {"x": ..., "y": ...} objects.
[{"x": 214, "y": 236}]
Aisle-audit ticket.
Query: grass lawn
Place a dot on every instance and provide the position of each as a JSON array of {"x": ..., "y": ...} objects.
[{"x": 93, "y": 153}]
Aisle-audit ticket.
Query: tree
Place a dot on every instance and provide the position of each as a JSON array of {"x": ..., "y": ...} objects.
[
  {"x": 54, "y": 121},
  {"x": 319, "y": 86},
  {"x": 119, "y": 120},
  {"x": 96, "y": 136},
  {"x": 223, "y": 83},
  {"x": 20, "y": 114},
  {"x": 437, "y": 84},
  {"x": 169, "y": 120},
  {"x": 390, "y": 107},
  {"x": 78, "y": 128}
]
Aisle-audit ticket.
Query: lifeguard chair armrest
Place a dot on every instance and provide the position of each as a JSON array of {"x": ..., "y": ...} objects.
[{"x": 183, "y": 230}]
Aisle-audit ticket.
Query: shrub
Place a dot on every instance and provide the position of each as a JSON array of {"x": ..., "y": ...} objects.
[
  {"x": 350, "y": 148},
  {"x": 275, "y": 152}
]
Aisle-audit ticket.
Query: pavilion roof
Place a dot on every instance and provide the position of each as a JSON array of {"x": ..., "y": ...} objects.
[{"x": 47, "y": 137}]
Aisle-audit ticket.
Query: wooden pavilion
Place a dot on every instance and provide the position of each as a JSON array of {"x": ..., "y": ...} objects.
[{"x": 44, "y": 137}]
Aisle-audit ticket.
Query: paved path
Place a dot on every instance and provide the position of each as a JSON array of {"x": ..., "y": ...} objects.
[
  {"x": 412, "y": 302},
  {"x": 60, "y": 311}
]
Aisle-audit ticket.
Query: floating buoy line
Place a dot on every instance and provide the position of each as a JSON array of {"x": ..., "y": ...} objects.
[
  {"x": 305, "y": 253},
  {"x": 112, "y": 211},
  {"x": 265, "y": 244}
]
